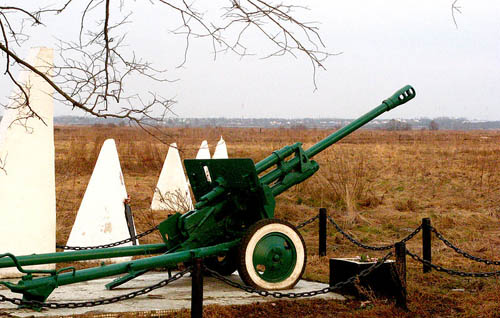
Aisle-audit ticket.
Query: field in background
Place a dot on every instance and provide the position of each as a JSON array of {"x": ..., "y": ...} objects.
[{"x": 378, "y": 185}]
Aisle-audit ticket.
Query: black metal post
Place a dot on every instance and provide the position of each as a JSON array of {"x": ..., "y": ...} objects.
[
  {"x": 401, "y": 275},
  {"x": 426, "y": 243},
  {"x": 197, "y": 289},
  {"x": 130, "y": 222},
  {"x": 322, "y": 232}
]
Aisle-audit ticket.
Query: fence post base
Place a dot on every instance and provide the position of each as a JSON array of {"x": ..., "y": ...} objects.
[
  {"x": 401, "y": 275},
  {"x": 426, "y": 243},
  {"x": 322, "y": 232},
  {"x": 197, "y": 289}
]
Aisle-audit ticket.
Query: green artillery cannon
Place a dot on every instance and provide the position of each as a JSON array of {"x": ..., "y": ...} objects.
[{"x": 232, "y": 225}]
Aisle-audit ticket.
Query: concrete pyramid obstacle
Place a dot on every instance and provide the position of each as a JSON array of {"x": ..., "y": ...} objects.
[
  {"x": 101, "y": 217},
  {"x": 203, "y": 152},
  {"x": 27, "y": 174},
  {"x": 220, "y": 150},
  {"x": 172, "y": 191}
]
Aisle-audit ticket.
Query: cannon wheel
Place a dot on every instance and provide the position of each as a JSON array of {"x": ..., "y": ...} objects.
[
  {"x": 272, "y": 255},
  {"x": 224, "y": 264}
]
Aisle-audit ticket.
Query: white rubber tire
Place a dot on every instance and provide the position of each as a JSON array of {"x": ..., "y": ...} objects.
[{"x": 249, "y": 242}]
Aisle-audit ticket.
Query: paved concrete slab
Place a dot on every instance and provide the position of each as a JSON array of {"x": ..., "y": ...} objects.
[{"x": 174, "y": 296}]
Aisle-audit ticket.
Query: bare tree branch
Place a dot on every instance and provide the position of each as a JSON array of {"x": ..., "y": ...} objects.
[
  {"x": 106, "y": 49},
  {"x": 93, "y": 72},
  {"x": 3, "y": 162},
  {"x": 454, "y": 9},
  {"x": 23, "y": 98}
]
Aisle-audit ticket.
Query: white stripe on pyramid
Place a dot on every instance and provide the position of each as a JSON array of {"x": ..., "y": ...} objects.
[
  {"x": 101, "y": 217},
  {"x": 204, "y": 152},
  {"x": 172, "y": 191},
  {"x": 220, "y": 150},
  {"x": 27, "y": 185}
]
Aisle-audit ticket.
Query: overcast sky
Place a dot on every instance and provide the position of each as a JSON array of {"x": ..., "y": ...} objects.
[{"x": 385, "y": 45}]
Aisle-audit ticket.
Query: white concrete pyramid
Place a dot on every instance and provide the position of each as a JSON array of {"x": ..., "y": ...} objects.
[
  {"x": 27, "y": 176},
  {"x": 101, "y": 217},
  {"x": 203, "y": 152},
  {"x": 172, "y": 191},
  {"x": 220, "y": 150}
]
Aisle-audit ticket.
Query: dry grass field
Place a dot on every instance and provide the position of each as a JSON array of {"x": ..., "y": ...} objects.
[{"x": 378, "y": 185}]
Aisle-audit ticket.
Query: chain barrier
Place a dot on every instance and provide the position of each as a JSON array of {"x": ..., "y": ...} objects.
[
  {"x": 151, "y": 230},
  {"x": 452, "y": 271},
  {"x": 147, "y": 232},
  {"x": 264, "y": 293},
  {"x": 81, "y": 248},
  {"x": 311, "y": 220},
  {"x": 461, "y": 252},
  {"x": 373, "y": 248},
  {"x": 275, "y": 294},
  {"x": 93, "y": 303}
]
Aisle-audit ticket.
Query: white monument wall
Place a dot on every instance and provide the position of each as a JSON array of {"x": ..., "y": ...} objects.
[
  {"x": 27, "y": 180},
  {"x": 101, "y": 216},
  {"x": 172, "y": 190}
]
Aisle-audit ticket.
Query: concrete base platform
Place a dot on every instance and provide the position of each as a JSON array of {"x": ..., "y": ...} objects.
[{"x": 174, "y": 296}]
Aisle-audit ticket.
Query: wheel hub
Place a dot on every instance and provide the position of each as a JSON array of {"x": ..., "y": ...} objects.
[{"x": 274, "y": 257}]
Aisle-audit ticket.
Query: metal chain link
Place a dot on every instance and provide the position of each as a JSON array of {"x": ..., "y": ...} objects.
[
  {"x": 264, "y": 293},
  {"x": 373, "y": 248},
  {"x": 93, "y": 303},
  {"x": 81, "y": 248},
  {"x": 463, "y": 253},
  {"x": 147, "y": 232},
  {"x": 275, "y": 294},
  {"x": 311, "y": 220},
  {"x": 452, "y": 271}
]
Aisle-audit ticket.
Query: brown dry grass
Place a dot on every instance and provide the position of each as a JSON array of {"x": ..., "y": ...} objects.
[{"x": 377, "y": 184}]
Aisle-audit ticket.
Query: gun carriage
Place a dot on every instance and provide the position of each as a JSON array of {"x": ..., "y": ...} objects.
[{"x": 232, "y": 225}]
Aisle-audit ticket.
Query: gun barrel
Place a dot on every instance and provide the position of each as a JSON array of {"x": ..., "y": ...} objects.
[
  {"x": 277, "y": 155},
  {"x": 399, "y": 98}
]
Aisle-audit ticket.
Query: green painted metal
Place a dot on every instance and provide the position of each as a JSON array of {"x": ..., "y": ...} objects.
[
  {"x": 35, "y": 289},
  {"x": 402, "y": 96},
  {"x": 231, "y": 196},
  {"x": 274, "y": 257},
  {"x": 85, "y": 255},
  {"x": 122, "y": 280}
]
